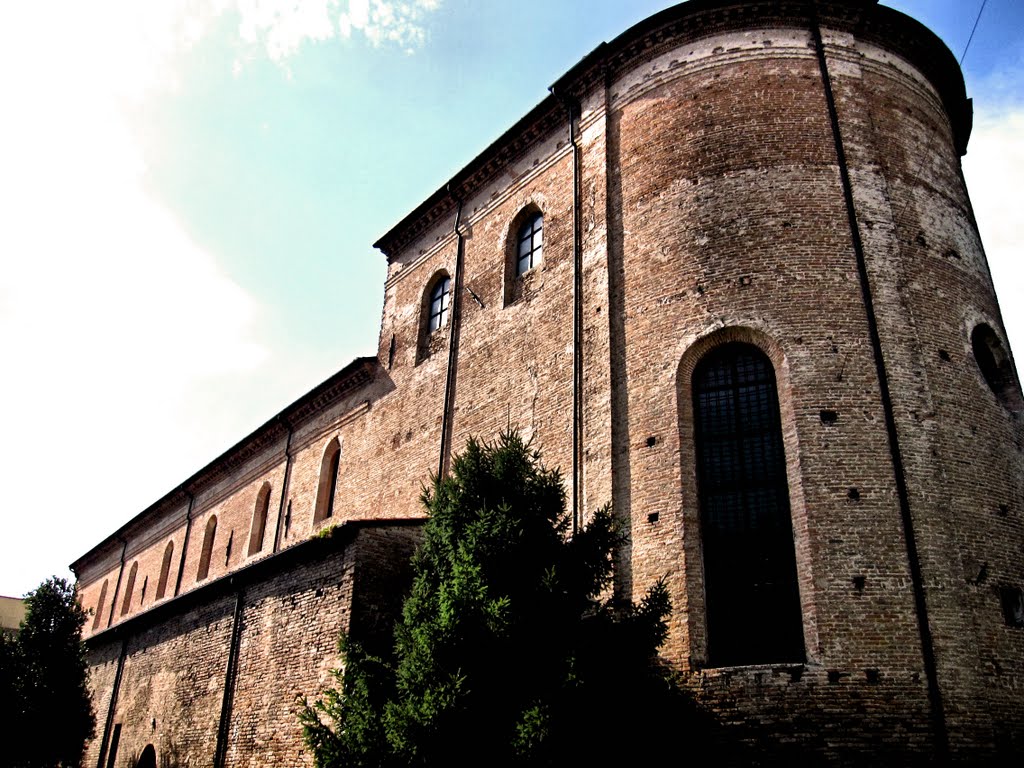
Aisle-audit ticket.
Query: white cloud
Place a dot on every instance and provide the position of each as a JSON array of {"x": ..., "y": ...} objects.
[
  {"x": 994, "y": 170},
  {"x": 113, "y": 321},
  {"x": 107, "y": 307}
]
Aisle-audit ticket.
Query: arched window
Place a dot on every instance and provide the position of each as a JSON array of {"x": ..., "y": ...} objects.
[
  {"x": 165, "y": 571},
  {"x": 204, "y": 558},
  {"x": 259, "y": 519},
  {"x": 328, "y": 482},
  {"x": 529, "y": 243},
  {"x": 99, "y": 606},
  {"x": 750, "y": 579},
  {"x": 129, "y": 588},
  {"x": 440, "y": 298}
]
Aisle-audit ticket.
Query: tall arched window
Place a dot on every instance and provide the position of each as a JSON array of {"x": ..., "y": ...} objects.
[
  {"x": 165, "y": 570},
  {"x": 530, "y": 243},
  {"x": 750, "y": 579},
  {"x": 99, "y": 606},
  {"x": 204, "y": 558},
  {"x": 129, "y": 588},
  {"x": 328, "y": 482},
  {"x": 259, "y": 519}
]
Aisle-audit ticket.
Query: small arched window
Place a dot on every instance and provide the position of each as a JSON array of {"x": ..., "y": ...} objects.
[
  {"x": 440, "y": 299},
  {"x": 165, "y": 570},
  {"x": 204, "y": 558},
  {"x": 750, "y": 577},
  {"x": 129, "y": 588},
  {"x": 99, "y": 606},
  {"x": 328, "y": 486},
  {"x": 259, "y": 519},
  {"x": 530, "y": 243}
]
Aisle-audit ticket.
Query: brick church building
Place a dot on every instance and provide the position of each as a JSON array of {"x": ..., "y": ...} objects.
[{"x": 728, "y": 278}]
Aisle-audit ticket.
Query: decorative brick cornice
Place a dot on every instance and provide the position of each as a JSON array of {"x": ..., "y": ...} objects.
[{"x": 671, "y": 28}]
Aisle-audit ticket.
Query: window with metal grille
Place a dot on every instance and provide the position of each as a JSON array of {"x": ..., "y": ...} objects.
[
  {"x": 440, "y": 298},
  {"x": 530, "y": 244},
  {"x": 750, "y": 582}
]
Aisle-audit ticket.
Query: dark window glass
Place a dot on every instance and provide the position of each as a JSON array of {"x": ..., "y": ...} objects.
[
  {"x": 753, "y": 605},
  {"x": 530, "y": 244},
  {"x": 439, "y": 300},
  {"x": 335, "y": 463}
]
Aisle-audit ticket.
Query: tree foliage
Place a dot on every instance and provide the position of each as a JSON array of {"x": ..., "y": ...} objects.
[
  {"x": 508, "y": 648},
  {"x": 43, "y": 679}
]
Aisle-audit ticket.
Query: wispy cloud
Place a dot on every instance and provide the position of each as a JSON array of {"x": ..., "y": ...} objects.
[{"x": 281, "y": 27}]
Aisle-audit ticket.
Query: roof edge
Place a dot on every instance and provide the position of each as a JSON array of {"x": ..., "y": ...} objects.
[{"x": 356, "y": 373}]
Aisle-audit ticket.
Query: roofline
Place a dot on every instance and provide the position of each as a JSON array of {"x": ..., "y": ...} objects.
[
  {"x": 358, "y": 372},
  {"x": 340, "y": 537},
  {"x": 931, "y": 56}
]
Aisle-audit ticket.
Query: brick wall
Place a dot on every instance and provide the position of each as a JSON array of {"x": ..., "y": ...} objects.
[
  {"x": 172, "y": 688},
  {"x": 712, "y": 210}
]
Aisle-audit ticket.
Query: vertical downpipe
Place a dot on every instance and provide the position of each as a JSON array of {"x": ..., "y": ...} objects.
[
  {"x": 455, "y": 297},
  {"x": 184, "y": 545},
  {"x": 104, "y": 742},
  {"x": 573, "y": 109},
  {"x": 284, "y": 486},
  {"x": 230, "y": 675},
  {"x": 916, "y": 577}
]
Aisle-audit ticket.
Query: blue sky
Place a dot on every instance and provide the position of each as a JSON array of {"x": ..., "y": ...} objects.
[{"x": 191, "y": 189}]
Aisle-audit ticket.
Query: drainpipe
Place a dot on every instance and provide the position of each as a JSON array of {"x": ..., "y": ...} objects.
[
  {"x": 916, "y": 577},
  {"x": 117, "y": 587},
  {"x": 284, "y": 484},
  {"x": 453, "y": 344},
  {"x": 573, "y": 110},
  {"x": 104, "y": 742},
  {"x": 184, "y": 545},
  {"x": 230, "y": 675}
]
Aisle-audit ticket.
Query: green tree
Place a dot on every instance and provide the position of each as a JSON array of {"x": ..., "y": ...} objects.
[
  {"x": 44, "y": 676},
  {"x": 508, "y": 649}
]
